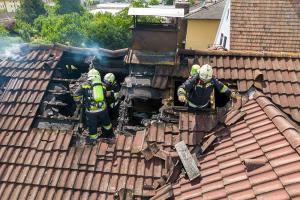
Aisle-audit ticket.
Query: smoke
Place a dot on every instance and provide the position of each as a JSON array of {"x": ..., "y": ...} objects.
[{"x": 10, "y": 47}]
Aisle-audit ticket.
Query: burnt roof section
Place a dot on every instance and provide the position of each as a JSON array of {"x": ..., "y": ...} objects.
[
  {"x": 213, "y": 11},
  {"x": 28, "y": 76},
  {"x": 275, "y": 74},
  {"x": 261, "y": 25}
]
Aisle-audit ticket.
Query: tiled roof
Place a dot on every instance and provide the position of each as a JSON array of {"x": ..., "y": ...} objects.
[
  {"x": 265, "y": 25},
  {"x": 213, "y": 11},
  {"x": 254, "y": 158},
  {"x": 28, "y": 77},
  {"x": 45, "y": 164},
  {"x": 280, "y": 78},
  {"x": 41, "y": 164}
]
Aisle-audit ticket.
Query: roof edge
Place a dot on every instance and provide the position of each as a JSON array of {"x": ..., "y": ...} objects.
[
  {"x": 280, "y": 120},
  {"x": 86, "y": 51},
  {"x": 201, "y": 8},
  {"x": 239, "y": 53}
]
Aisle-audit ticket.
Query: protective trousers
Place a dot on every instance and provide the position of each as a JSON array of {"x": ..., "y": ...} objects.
[{"x": 100, "y": 118}]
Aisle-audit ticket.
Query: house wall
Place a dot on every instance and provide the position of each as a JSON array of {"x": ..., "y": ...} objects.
[
  {"x": 224, "y": 27},
  {"x": 201, "y": 33}
]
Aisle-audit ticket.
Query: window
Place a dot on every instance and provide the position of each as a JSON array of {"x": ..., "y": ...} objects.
[
  {"x": 221, "y": 39},
  {"x": 225, "y": 40}
]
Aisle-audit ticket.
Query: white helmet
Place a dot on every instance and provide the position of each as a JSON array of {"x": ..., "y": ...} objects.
[
  {"x": 205, "y": 73},
  {"x": 93, "y": 73},
  {"x": 109, "y": 78}
]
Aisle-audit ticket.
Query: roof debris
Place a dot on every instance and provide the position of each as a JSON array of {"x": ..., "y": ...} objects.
[{"x": 187, "y": 160}]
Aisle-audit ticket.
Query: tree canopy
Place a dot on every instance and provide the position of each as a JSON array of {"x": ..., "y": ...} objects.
[
  {"x": 69, "y": 23},
  {"x": 29, "y": 10},
  {"x": 68, "y": 6}
]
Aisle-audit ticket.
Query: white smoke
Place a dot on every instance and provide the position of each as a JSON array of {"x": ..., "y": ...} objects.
[{"x": 10, "y": 47}]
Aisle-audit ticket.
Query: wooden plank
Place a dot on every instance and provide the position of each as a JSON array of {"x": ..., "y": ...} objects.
[
  {"x": 187, "y": 160},
  {"x": 207, "y": 143}
]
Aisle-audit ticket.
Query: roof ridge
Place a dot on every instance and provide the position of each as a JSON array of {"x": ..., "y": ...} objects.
[
  {"x": 289, "y": 131},
  {"x": 240, "y": 53}
]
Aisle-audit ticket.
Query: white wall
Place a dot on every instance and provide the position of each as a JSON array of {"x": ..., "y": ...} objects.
[{"x": 224, "y": 27}]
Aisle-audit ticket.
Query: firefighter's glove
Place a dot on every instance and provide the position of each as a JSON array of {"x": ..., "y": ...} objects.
[
  {"x": 234, "y": 94},
  {"x": 182, "y": 98},
  {"x": 108, "y": 93}
]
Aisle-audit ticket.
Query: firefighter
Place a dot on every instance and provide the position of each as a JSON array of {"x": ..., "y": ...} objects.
[
  {"x": 113, "y": 89},
  {"x": 92, "y": 94},
  {"x": 196, "y": 91}
]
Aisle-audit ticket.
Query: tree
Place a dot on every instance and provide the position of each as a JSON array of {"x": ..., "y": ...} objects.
[
  {"x": 153, "y": 2},
  {"x": 3, "y": 31},
  {"x": 68, "y": 6},
  {"x": 109, "y": 31},
  {"x": 29, "y": 10},
  {"x": 67, "y": 29},
  {"x": 168, "y": 2}
]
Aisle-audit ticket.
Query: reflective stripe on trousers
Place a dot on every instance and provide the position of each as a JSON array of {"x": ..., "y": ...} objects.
[{"x": 195, "y": 106}]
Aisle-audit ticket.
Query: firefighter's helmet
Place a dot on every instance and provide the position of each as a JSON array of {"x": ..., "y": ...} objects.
[
  {"x": 93, "y": 73},
  {"x": 205, "y": 73},
  {"x": 109, "y": 78}
]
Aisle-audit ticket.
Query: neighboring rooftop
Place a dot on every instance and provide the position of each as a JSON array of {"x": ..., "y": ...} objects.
[
  {"x": 265, "y": 25},
  {"x": 211, "y": 11}
]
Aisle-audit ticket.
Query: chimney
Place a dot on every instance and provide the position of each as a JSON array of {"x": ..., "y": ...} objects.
[{"x": 182, "y": 23}]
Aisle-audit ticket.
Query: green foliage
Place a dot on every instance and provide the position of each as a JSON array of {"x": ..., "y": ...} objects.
[
  {"x": 168, "y": 2},
  {"x": 25, "y": 30},
  {"x": 29, "y": 10},
  {"x": 110, "y": 31},
  {"x": 68, "y": 6},
  {"x": 154, "y": 2},
  {"x": 192, "y": 2},
  {"x": 139, "y": 4},
  {"x": 68, "y": 23},
  {"x": 67, "y": 29},
  {"x": 3, "y": 31}
]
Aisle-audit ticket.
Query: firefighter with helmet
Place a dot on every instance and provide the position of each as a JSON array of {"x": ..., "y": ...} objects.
[
  {"x": 113, "y": 88},
  {"x": 196, "y": 91},
  {"x": 93, "y": 96}
]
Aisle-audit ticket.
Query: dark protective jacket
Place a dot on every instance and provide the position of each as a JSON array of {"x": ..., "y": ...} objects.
[
  {"x": 113, "y": 98},
  {"x": 199, "y": 94},
  {"x": 86, "y": 93}
]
